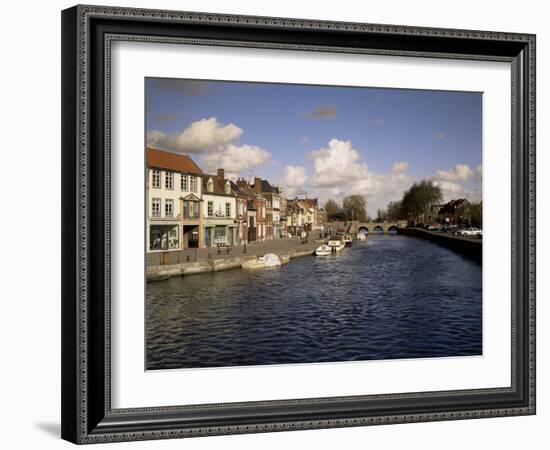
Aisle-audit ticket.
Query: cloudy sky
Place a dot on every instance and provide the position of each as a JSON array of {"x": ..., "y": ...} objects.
[{"x": 323, "y": 141}]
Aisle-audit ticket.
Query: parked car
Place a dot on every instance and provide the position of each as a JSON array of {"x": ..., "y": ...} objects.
[
  {"x": 450, "y": 229},
  {"x": 472, "y": 231},
  {"x": 434, "y": 227}
]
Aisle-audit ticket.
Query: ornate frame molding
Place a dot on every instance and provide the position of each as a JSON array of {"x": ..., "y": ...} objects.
[{"x": 83, "y": 421}]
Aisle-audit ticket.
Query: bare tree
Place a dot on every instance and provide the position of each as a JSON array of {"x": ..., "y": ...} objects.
[{"x": 355, "y": 207}]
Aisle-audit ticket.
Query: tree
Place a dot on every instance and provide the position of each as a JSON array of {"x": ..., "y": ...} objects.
[
  {"x": 381, "y": 215},
  {"x": 476, "y": 215},
  {"x": 394, "y": 211},
  {"x": 419, "y": 198},
  {"x": 355, "y": 208},
  {"x": 332, "y": 207}
]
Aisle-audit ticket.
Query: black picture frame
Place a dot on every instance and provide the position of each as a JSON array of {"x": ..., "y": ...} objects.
[{"x": 87, "y": 416}]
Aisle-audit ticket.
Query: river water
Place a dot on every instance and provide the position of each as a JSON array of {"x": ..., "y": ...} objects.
[{"x": 385, "y": 298}]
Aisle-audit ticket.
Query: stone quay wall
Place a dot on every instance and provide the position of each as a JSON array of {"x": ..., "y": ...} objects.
[
  {"x": 196, "y": 261},
  {"x": 471, "y": 247}
]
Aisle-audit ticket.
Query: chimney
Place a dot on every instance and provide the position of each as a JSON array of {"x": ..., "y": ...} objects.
[
  {"x": 258, "y": 185},
  {"x": 242, "y": 183},
  {"x": 221, "y": 174}
]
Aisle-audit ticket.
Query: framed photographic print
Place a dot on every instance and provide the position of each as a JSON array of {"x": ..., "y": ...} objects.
[{"x": 280, "y": 224}]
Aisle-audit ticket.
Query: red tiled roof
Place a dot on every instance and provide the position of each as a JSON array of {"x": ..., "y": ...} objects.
[{"x": 172, "y": 161}]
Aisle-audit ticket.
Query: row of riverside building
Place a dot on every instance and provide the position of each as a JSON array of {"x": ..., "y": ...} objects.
[{"x": 187, "y": 208}]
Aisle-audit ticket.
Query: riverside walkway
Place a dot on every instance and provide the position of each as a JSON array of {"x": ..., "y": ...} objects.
[{"x": 193, "y": 261}]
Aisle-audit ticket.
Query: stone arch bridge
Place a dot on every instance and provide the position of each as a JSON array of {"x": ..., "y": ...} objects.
[{"x": 357, "y": 227}]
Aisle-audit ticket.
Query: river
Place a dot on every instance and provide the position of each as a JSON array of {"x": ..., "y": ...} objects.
[{"x": 388, "y": 297}]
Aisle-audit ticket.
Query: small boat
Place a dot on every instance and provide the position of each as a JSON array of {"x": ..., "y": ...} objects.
[
  {"x": 268, "y": 260},
  {"x": 348, "y": 240},
  {"x": 337, "y": 245},
  {"x": 323, "y": 250}
]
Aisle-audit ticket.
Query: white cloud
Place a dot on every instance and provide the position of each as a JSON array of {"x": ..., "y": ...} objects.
[
  {"x": 450, "y": 190},
  {"x": 461, "y": 172},
  {"x": 459, "y": 182},
  {"x": 205, "y": 134},
  {"x": 337, "y": 164},
  {"x": 236, "y": 159},
  {"x": 293, "y": 180},
  {"x": 216, "y": 142},
  {"x": 479, "y": 173},
  {"x": 339, "y": 171},
  {"x": 400, "y": 166}
]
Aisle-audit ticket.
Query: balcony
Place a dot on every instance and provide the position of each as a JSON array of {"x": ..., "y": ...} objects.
[{"x": 188, "y": 216}]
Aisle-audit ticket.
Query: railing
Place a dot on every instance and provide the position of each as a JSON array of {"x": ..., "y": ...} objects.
[{"x": 191, "y": 216}]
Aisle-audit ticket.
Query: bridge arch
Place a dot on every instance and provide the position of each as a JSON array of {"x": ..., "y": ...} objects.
[{"x": 363, "y": 230}]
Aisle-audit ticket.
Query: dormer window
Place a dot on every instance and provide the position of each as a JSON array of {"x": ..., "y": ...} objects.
[
  {"x": 227, "y": 187},
  {"x": 210, "y": 185}
]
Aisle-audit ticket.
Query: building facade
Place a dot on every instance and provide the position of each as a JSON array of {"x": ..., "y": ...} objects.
[
  {"x": 219, "y": 211},
  {"x": 256, "y": 210},
  {"x": 173, "y": 196},
  {"x": 302, "y": 216},
  {"x": 241, "y": 201},
  {"x": 273, "y": 207},
  {"x": 455, "y": 212}
]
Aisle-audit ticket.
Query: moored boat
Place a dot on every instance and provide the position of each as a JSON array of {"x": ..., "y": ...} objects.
[
  {"x": 337, "y": 245},
  {"x": 348, "y": 240},
  {"x": 323, "y": 250},
  {"x": 268, "y": 260}
]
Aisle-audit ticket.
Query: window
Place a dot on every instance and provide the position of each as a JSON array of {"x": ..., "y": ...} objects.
[
  {"x": 169, "y": 180},
  {"x": 155, "y": 207},
  {"x": 210, "y": 209},
  {"x": 193, "y": 182},
  {"x": 190, "y": 210},
  {"x": 163, "y": 237},
  {"x": 169, "y": 207},
  {"x": 227, "y": 187},
  {"x": 228, "y": 210},
  {"x": 184, "y": 183},
  {"x": 210, "y": 185},
  {"x": 156, "y": 178}
]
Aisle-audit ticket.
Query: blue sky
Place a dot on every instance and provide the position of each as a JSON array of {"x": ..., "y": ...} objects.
[{"x": 323, "y": 141}]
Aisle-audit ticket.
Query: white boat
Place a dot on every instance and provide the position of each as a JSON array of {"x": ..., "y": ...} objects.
[
  {"x": 348, "y": 240},
  {"x": 268, "y": 260},
  {"x": 337, "y": 245},
  {"x": 323, "y": 250}
]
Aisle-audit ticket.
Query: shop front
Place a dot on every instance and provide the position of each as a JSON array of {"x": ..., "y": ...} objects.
[
  {"x": 164, "y": 237},
  {"x": 219, "y": 235}
]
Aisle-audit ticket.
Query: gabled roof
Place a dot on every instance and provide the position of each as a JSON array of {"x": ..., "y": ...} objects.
[
  {"x": 162, "y": 159},
  {"x": 219, "y": 185},
  {"x": 303, "y": 203}
]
